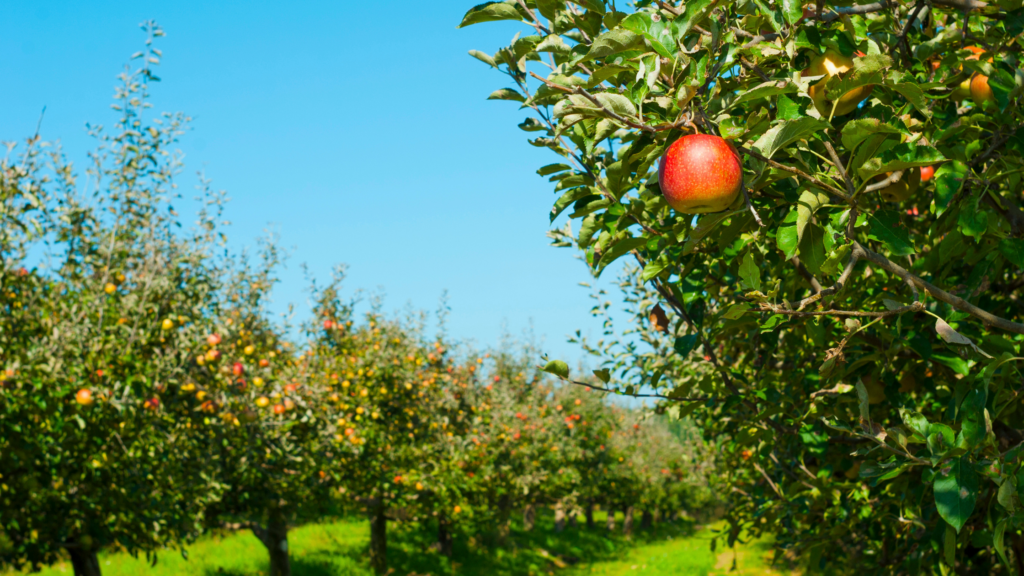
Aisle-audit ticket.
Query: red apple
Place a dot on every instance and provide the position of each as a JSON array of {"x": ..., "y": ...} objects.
[
  {"x": 237, "y": 369},
  {"x": 700, "y": 173},
  {"x": 153, "y": 403},
  {"x": 328, "y": 324},
  {"x": 278, "y": 409},
  {"x": 927, "y": 172},
  {"x": 213, "y": 339},
  {"x": 264, "y": 362}
]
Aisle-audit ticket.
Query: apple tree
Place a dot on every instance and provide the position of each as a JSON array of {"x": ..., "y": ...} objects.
[
  {"x": 855, "y": 303},
  {"x": 101, "y": 296}
]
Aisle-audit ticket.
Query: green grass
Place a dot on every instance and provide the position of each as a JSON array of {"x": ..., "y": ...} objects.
[{"x": 340, "y": 549}]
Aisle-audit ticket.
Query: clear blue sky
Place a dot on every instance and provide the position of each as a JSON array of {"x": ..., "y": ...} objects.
[{"x": 359, "y": 131}]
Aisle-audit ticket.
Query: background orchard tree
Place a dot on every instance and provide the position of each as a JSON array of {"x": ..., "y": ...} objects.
[
  {"x": 94, "y": 450},
  {"x": 846, "y": 326}
]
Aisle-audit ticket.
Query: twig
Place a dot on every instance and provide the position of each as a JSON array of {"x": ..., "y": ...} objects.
[
  {"x": 746, "y": 200},
  {"x": 826, "y": 187},
  {"x": 769, "y": 480},
  {"x": 839, "y": 166},
  {"x": 901, "y": 43},
  {"x": 610, "y": 391},
  {"x": 806, "y": 274},
  {"x": 536, "y": 22},
  {"x": 892, "y": 179},
  {"x": 614, "y": 116},
  {"x": 854, "y": 256}
]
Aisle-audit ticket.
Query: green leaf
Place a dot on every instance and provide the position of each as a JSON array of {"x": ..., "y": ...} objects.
[
  {"x": 793, "y": 11},
  {"x": 685, "y": 344},
  {"x": 765, "y": 90},
  {"x": 997, "y": 540},
  {"x": 506, "y": 94},
  {"x": 914, "y": 95},
  {"x": 553, "y": 43},
  {"x": 621, "y": 248},
  {"x": 736, "y": 311},
  {"x": 949, "y": 546},
  {"x": 1013, "y": 250},
  {"x": 810, "y": 201},
  {"x": 705, "y": 225},
  {"x": 786, "y": 238},
  {"x": 887, "y": 228},
  {"x": 956, "y": 489},
  {"x": 613, "y": 42},
  {"x": 812, "y": 249},
  {"x": 603, "y": 375},
  {"x": 857, "y": 131},
  {"x": 568, "y": 198},
  {"x": 553, "y": 169},
  {"x": 900, "y": 157},
  {"x": 491, "y": 11},
  {"x": 916, "y": 422},
  {"x": 659, "y": 34},
  {"x": 958, "y": 364},
  {"x": 483, "y": 57},
  {"x": 787, "y": 132},
  {"x": 616, "y": 103},
  {"x": 558, "y": 368},
  {"x": 835, "y": 263},
  {"x": 654, "y": 267},
  {"x": 972, "y": 220},
  {"x": 749, "y": 273},
  {"x": 696, "y": 10},
  {"x": 973, "y": 430},
  {"x": 948, "y": 180},
  {"x": 550, "y": 8}
]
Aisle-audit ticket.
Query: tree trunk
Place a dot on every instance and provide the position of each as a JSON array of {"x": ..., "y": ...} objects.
[
  {"x": 529, "y": 516},
  {"x": 504, "y": 517},
  {"x": 611, "y": 519},
  {"x": 627, "y": 522},
  {"x": 646, "y": 520},
  {"x": 84, "y": 562},
  {"x": 378, "y": 537},
  {"x": 589, "y": 513},
  {"x": 559, "y": 518},
  {"x": 275, "y": 538},
  {"x": 573, "y": 523},
  {"x": 444, "y": 536}
]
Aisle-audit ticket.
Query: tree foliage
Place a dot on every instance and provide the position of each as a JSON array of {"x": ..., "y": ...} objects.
[{"x": 854, "y": 344}]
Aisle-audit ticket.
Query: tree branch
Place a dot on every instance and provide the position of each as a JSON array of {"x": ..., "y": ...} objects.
[
  {"x": 826, "y": 187},
  {"x": 941, "y": 295}
]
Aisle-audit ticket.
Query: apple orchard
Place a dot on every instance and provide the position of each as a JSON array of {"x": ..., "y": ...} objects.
[
  {"x": 147, "y": 397},
  {"x": 824, "y": 267}
]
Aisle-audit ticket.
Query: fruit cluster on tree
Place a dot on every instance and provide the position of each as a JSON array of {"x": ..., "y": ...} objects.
[
  {"x": 819, "y": 207},
  {"x": 147, "y": 396}
]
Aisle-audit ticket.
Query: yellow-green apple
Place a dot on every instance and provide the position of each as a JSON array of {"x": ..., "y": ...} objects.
[
  {"x": 700, "y": 173},
  {"x": 830, "y": 64}
]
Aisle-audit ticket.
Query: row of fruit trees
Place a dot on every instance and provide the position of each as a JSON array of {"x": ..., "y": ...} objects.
[{"x": 148, "y": 396}]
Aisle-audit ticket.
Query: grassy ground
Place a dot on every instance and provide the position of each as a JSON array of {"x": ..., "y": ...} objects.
[{"x": 340, "y": 549}]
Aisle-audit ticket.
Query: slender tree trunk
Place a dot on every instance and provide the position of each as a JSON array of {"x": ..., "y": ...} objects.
[
  {"x": 277, "y": 532},
  {"x": 84, "y": 562},
  {"x": 504, "y": 517},
  {"x": 627, "y": 522},
  {"x": 559, "y": 518},
  {"x": 646, "y": 520},
  {"x": 656, "y": 516},
  {"x": 529, "y": 517},
  {"x": 444, "y": 536},
  {"x": 378, "y": 537},
  {"x": 573, "y": 522},
  {"x": 275, "y": 538},
  {"x": 589, "y": 514},
  {"x": 611, "y": 519}
]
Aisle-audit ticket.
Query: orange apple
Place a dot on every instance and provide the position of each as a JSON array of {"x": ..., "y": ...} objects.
[
  {"x": 84, "y": 397},
  {"x": 278, "y": 409},
  {"x": 700, "y": 173},
  {"x": 830, "y": 64},
  {"x": 981, "y": 92},
  {"x": 213, "y": 339},
  {"x": 927, "y": 172}
]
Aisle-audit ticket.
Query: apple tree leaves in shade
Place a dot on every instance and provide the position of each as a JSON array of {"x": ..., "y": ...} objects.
[
  {"x": 956, "y": 490},
  {"x": 824, "y": 310}
]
